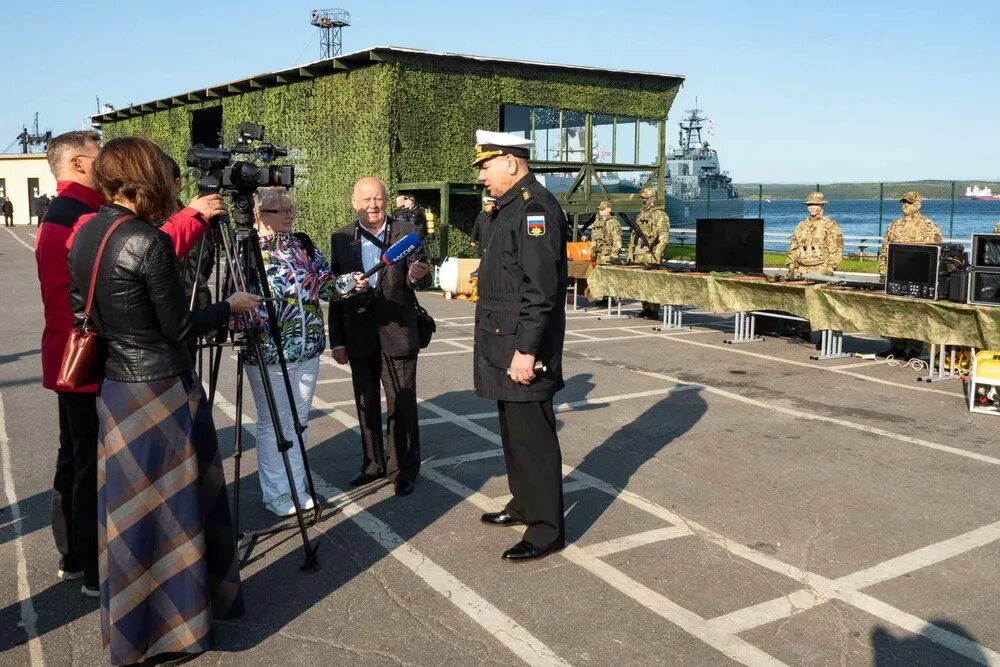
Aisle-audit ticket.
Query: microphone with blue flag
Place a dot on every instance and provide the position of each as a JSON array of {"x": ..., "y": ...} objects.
[{"x": 397, "y": 252}]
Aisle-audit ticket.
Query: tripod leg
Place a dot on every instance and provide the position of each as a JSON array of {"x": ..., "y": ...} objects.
[
  {"x": 238, "y": 442},
  {"x": 311, "y": 563}
]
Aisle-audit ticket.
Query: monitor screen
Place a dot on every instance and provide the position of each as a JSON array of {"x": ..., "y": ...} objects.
[
  {"x": 986, "y": 249},
  {"x": 985, "y": 288},
  {"x": 730, "y": 244},
  {"x": 912, "y": 263}
]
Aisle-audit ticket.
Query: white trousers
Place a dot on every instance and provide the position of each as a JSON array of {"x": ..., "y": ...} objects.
[{"x": 270, "y": 467}]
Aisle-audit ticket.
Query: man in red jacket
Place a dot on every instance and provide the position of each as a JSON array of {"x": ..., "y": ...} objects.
[{"x": 74, "y": 490}]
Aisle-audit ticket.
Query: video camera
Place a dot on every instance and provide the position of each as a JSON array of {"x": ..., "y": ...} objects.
[{"x": 221, "y": 170}]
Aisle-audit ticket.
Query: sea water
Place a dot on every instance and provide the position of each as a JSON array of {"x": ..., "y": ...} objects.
[{"x": 860, "y": 218}]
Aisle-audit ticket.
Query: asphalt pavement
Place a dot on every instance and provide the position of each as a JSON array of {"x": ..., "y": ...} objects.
[{"x": 725, "y": 504}]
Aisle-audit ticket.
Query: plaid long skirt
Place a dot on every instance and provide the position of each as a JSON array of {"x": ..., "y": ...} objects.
[{"x": 166, "y": 543}]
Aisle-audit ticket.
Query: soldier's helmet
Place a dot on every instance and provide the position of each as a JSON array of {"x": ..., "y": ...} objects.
[
  {"x": 911, "y": 197},
  {"x": 815, "y": 198},
  {"x": 647, "y": 193}
]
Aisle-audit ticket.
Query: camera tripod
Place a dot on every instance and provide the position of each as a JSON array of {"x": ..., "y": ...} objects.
[{"x": 243, "y": 265}]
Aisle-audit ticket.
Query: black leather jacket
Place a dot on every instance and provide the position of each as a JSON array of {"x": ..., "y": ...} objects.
[{"x": 139, "y": 303}]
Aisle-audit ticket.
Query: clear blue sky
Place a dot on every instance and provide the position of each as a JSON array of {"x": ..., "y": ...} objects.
[{"x": 800, "y": 91}]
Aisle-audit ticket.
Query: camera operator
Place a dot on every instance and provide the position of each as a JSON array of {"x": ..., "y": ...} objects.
[
  {"x": 299, "y": 276},
  {"x": 71, "y": 158},
  {"x": 163, "y": 493}
]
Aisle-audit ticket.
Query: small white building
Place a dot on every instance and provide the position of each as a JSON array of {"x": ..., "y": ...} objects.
[{"x": 22, "y": 178}]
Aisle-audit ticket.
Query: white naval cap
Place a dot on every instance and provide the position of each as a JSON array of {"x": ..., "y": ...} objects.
[{"x": 491, "y": 144}]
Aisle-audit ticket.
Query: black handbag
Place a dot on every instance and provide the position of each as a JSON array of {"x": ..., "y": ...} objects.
[{"x": 426, "y": 326}]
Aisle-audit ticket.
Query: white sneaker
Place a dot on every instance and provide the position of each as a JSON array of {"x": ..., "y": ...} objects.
[
  {"x": 325, "y": 490},
  {"x": 283, "y": 505},
  {"x": 67, "y": 575},
  {"x": 90, "y": 592}
]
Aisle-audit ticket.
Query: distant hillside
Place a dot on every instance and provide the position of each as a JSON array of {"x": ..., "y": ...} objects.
[{"x": 929, "y": 189}]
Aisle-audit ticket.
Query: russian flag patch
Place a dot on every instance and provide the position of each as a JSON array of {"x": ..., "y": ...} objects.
[{"x": 536, "y": 225}]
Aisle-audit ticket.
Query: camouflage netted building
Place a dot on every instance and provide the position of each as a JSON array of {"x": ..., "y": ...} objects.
[{"x": 408, "y": 116}]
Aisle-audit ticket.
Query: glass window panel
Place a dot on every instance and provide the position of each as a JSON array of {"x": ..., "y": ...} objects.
[
  {"x": 649, "y": 141},
  {"x": 546, "y": 123},
  {"x": 602, "y": 137},
  {"x": 516, "y": 120},
  {"x": 574, "y": 139},
  {"x": 625, "y": 140}
]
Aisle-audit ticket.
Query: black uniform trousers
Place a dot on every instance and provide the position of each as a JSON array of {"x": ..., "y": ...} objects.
[
  {"x": 74, "y": 489},
  {"x": 398, "y": 376},
  {"x": 534, "y": 469}
]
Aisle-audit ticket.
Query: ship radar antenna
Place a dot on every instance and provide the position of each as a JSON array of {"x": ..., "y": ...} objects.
[
  {"x": 331, "y": 22},
  {"x": 691, "y": 126}
]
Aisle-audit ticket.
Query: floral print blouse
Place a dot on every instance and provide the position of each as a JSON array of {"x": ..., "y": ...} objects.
[{"x": 300, "y": 282}]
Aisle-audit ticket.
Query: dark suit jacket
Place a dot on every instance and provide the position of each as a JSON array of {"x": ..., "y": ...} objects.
[{"x": 390, "y": 317}]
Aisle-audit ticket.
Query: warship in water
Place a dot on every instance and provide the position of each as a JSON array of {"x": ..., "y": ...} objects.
[{"x": 696, "y": 187}]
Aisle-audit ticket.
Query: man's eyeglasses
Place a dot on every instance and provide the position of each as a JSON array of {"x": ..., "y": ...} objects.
[{"x": 279, "y": 211}]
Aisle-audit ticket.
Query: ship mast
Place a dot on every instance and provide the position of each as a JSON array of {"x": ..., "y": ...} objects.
[{"x": 690, "y": 132}]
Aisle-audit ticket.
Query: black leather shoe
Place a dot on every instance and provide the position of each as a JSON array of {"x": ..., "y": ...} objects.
[
  {"x": 524, "y": 550},
  {"x": 365, "y": 478},
  {"x": 500, "y": 519},
  {"x": 404, "y": 488}
]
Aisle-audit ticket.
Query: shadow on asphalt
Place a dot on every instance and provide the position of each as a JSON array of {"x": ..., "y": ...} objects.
[
  {"x": 890, "y": 651},
  {"x": 279, "y": 593}
]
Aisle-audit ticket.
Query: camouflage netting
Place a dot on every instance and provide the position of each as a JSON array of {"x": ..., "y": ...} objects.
[{"x": 826, "y": 307}]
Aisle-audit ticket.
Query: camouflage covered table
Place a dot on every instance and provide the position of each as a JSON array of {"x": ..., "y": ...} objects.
[{"x": 825, "y": 307}]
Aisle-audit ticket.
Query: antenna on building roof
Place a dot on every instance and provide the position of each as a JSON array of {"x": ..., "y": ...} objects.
[
  {"x": 331, "y": 22},
  {"x": 35, "y": 138}
]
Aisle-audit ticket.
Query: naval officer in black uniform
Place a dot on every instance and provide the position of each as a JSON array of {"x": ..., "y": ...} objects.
[{"x": 520, "y": 326}]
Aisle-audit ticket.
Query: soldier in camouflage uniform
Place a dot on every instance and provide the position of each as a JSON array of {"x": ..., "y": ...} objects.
[
  {"x": 911, "y": 228},
  {"x": 817, "y": 245},
  {"x": 996, "y": 230},
  {"x": 655, "y": 224},
  {"x": 605, "y": 235}
]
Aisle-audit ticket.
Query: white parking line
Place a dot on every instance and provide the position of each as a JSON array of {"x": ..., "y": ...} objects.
[
  {"x": 502, "y": 627},
  {"x": 19, "y": 239},
  {"x": 732, "y": 646},
  {"x": 619, "y": 544},
  {"x": 819, "y": 588},
  {"x": 28, "y": 616}
]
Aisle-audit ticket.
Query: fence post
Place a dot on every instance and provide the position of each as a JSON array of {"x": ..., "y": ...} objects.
[
  {"x": 951, "y": 221},
  {"x": 760, "y": 200},
  {"x": 881, "y": 206}
]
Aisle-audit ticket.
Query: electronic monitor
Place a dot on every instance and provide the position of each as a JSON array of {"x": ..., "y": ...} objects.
[
  {"x": 733, "y": 245},
  {"x": 912, "y": 270},
  {"x": 986, "y": 251}
]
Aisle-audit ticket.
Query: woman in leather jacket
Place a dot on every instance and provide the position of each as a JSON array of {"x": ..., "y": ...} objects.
[{"x": 165, "y": 534}]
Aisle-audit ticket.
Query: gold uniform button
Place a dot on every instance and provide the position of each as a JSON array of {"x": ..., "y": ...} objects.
[{"x": 498, "y": 331}]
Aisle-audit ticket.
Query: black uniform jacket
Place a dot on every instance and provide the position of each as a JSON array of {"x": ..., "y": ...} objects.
[
  {"x": 387, "y": 314},
  {"x": 522, "y": 293}
]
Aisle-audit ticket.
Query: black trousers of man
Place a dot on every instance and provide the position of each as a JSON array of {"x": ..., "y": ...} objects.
[
  {"x": 74, "y": 489},
  {"x": 534, "y": 469},
  {"x": 8, "y": 220},
  {"x": 398, "y": 376}
]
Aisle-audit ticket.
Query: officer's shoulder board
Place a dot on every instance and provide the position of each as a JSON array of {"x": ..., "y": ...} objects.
[{"x": 535, "y": 216}]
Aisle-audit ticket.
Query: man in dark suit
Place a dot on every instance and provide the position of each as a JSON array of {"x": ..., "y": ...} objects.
[{"x": 376, "y": 332}]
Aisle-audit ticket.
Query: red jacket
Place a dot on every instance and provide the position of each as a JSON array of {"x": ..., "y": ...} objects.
[{"x": 74, "y": 205}]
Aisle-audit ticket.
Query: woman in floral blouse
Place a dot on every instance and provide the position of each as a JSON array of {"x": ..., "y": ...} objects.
[{"x": 299, "y": 276}]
